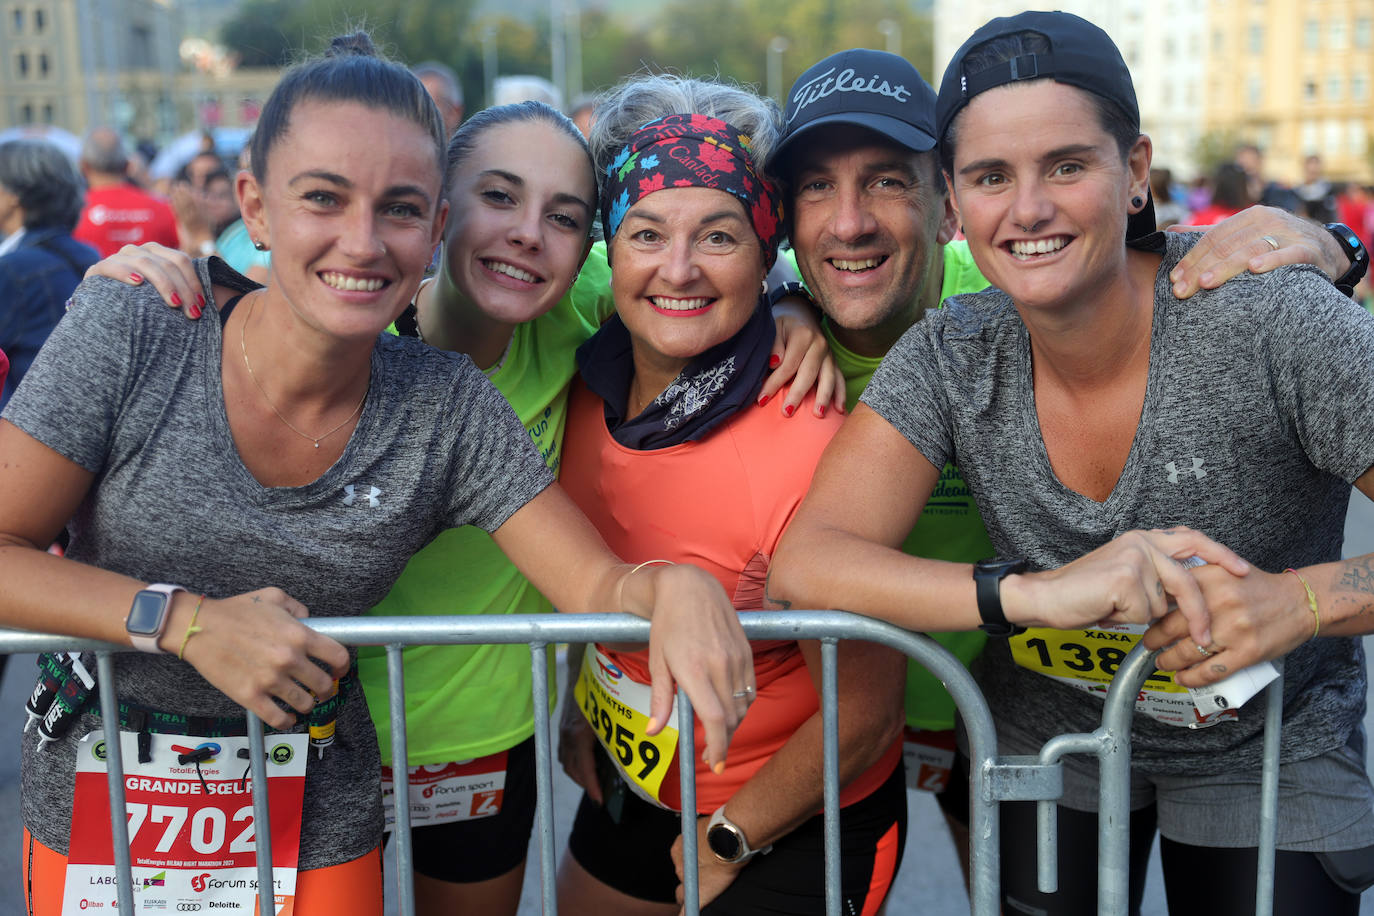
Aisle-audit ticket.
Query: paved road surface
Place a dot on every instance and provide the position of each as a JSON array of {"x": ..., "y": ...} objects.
[{"x": 928, "y": 884}]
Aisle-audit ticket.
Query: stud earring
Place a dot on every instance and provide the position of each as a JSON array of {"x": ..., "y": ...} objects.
[
  {"x": 1137, "y": 201},
  {"x": 260, "y": 246}
]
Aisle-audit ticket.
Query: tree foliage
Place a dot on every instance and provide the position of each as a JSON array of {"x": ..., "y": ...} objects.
[{"x": 729, "y": 38}]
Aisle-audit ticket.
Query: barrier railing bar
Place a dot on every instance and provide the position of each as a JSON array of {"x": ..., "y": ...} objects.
[
  {"x": 262, "y": 819},
  {"x": 687, "y": 783},
  {"x": 1114, "y": 782},
  {"x": 830, "y": 749},
  {"x": 400, "y": 781},
  {"x": 543, "y": 770},
  {"x": 992, "y": 779},
  {"x": 114, "y": 772},
  {"x": 1046, "y": 806},
  {"x": 1269, "y": 796}
]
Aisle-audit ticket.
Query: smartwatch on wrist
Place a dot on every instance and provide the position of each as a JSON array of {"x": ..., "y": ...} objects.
[
  {"x": 1354, "y": 250},
  {"x": 987, "y": 580},
  {"x": 727, "y": 841},
  {"x": 147, "y": 619}
]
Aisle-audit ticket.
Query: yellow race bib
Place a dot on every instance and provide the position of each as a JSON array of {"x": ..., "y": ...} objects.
[
  {"x": 618, "y": 710},
  {"x": 1087, "y": 659}
]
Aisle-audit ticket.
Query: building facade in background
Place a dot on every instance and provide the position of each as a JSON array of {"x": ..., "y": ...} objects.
[
  {"x": 75, "y": 64},
  {"x": 1291, "y": 76}
]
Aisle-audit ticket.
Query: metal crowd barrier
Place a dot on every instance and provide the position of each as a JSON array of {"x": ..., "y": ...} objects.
[{"x": 992, "y": 778}]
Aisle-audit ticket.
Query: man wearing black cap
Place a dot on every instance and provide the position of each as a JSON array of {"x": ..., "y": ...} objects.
[{"x": 872, "y": 227}]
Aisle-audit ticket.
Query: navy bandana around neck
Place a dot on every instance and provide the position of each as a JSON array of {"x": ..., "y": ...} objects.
[{"x": 715, "y": 385}]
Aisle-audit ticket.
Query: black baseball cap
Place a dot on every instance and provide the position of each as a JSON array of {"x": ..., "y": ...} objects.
[
  {"x": 865, "y": 88},
  {"x": 1080, "y": 55}
]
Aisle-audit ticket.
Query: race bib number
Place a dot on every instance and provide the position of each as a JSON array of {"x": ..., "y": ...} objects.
[
  {"x": 618, "y": 710},
  {"x": 443, "y": 792},
  {"x": 191, "y": 832},
  {"x": 929, "y": 758},
  {"x": 1087, "y": 659}
]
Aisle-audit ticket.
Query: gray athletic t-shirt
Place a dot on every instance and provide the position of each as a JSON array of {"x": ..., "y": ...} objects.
[
  {"x": 131, "y": 390},
  {"x": 1258, "y": 415}
]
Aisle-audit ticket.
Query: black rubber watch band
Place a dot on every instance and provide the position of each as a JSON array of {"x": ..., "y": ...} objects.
[
  {"x": 1354, "y": 250},
  {"x": 987, "y": 582}
]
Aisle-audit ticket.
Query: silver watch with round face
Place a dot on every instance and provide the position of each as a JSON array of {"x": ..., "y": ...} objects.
[{"x": 727, "y": 840}]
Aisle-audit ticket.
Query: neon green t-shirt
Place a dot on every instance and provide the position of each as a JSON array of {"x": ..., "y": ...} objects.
[
  {"x": 950, "y": 527},
  {"x": 471, "y": 701}
]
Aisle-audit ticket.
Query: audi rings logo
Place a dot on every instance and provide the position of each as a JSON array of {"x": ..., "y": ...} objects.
[{"x": 188, "y": 906}]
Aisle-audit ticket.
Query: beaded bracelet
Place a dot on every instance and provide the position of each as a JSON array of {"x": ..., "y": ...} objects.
[{"x": 1311, "y": 601}]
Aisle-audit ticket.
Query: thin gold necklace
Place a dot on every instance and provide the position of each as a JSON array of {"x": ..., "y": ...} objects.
[{"x": 243, "y": 347}]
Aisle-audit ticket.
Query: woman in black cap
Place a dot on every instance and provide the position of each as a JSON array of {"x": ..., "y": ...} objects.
[{"x": 1081, "y": 401}]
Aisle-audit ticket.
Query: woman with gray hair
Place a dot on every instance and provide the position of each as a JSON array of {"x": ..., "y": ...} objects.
[
  {"x": 40, "y": 262},
  {"x": 672, "y": 461}
]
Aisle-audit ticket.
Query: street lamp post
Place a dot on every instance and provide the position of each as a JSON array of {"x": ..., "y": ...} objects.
[
  {"x": 489, "y": 61},
  {"x": 775, "y": 49},
  {"x": 892, "y": 31}
]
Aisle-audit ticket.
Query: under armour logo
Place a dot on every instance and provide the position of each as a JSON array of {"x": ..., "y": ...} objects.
[
  {"x": 350, "y": 496},
  {"x": 1196, "y": 470}
]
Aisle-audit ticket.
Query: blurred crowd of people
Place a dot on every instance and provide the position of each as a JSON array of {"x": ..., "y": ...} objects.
[{"x": 1242, "y": 182}]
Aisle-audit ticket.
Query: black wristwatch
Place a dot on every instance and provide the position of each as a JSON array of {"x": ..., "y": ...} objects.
[
  {"x": 1354, "y": 250},
  {"x": 987, "y": 580}
]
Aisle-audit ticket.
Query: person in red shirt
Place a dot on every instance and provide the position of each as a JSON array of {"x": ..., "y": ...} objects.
[{"x": 118, "y": 213}]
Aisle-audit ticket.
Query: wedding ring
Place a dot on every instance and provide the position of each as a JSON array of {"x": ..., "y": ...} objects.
[
  {"x": 1273, "y": 242},
  {"x": 740, "y": 694},
  {"x": 1205, "y": 653}
]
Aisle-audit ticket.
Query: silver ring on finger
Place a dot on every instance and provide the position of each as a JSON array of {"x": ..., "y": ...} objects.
[
  {"x": 1272, "y": 242},
  {"x": 1205, "y": 653},
  {"x": 740, "y": 694}
]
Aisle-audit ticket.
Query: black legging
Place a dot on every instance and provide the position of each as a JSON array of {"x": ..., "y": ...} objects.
[{"x": 1199, "y": 880}]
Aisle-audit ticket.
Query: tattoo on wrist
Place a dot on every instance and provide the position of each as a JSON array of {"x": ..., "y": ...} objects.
[{"x": 1358, "y": 576}]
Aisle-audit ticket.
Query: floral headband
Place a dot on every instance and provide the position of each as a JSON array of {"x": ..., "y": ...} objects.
[{"x": 692, "y": 151}]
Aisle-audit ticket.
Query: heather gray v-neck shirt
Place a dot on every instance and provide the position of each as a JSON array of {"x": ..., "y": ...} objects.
[
  {"x": 131, "y": 390},
  {"x": 1258, "y": 415}
]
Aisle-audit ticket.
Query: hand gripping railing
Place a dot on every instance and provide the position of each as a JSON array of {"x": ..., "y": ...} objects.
[{"x": 992, "y": 778}]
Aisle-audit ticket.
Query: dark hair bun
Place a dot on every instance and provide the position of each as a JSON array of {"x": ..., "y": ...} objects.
[{"x": 359, "y": 43}]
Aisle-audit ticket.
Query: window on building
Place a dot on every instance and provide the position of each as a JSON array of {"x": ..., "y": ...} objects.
[
  {"x": 1333, "y": 137},
  {"x": 40, "y": 19},
  {"x": 141, "y": 47},
  {"x": 1312, "y": 34},
  {"x": 1359, "y": 87},
  {"x": 23, "y": 64},
  {"x": 43, "y": 65},
  {"x": 49, "y": 114},
  {"x": 18, "y": 15},
  {"x": 1309, "y": 90},
  {"x": 1308, "y": 134},
  {"x": 1363, "y": 29},
  {"x": 1256, "y": 38},
  {"x": 1218, "y": 41},
  {"x": 26, "y": 113},
  {"x": 1356, "y": 137},
  {"x": 1254, "y": 91},
  {"x": 1337, "y": 32}
]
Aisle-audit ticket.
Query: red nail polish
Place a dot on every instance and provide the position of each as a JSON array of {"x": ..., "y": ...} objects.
[
  {"x": 774, "y": 361},
  {"x": 135, "y": 278},
  {"x": 193, "y": 310},
  {"x": 763, "y": 399},
  {"x": 821, "y": 411},
  {"x": 200, "y": 301},
  {"x": 176, "y": 300},
  {"x": 789, "y": 410}
]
